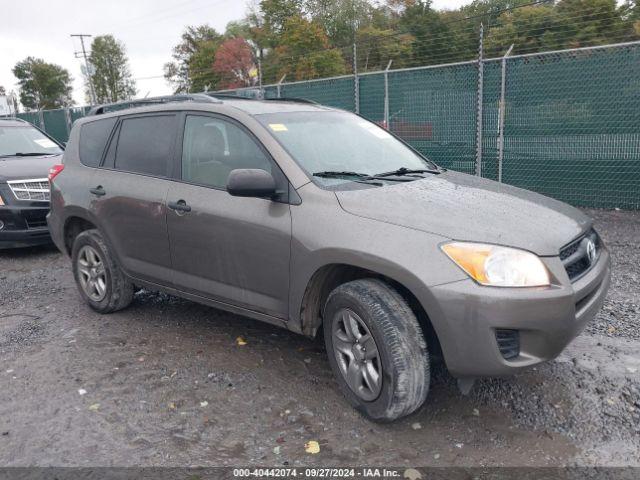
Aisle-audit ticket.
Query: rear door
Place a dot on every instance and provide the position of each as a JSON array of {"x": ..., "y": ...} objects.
[
  {"x": 230, "y": 249},
  {"x": 129, "y": 194}
]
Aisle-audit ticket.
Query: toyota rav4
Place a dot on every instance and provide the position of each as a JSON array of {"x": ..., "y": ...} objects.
[{"x": 317, "y": 220}]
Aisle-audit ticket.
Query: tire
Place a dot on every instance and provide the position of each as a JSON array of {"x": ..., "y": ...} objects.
[
  {"x": 92, "y": 261},
  {"x": 401, "y": 348}
]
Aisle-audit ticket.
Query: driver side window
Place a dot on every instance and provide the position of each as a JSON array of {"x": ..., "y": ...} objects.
[{"x": 212, "y": 147}]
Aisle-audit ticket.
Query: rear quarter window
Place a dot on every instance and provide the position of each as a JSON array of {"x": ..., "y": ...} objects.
[{"x": 93, "y": 139}]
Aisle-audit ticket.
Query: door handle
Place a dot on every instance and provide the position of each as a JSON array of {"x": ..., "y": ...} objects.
[
  {"x": 98, "y": 191},
  {"x": 179, "y": 207}
]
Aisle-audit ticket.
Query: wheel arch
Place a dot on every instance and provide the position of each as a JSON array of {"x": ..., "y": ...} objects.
[
  {"x": 73, "y": 226},
  {"x": 329, "y": 276}
]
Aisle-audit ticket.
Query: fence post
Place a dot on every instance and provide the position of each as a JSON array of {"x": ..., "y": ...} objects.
[
  {"x": 501, "y": 112},
  {"x": 67, "y": 118},
  {"x": 480, "y": 98},
  {"x": 386, "y": 96},
  {"x": 278, "y": 85},
  {"x": 260, "y": 91},
  {"x": 41, "y": 120},
  {"x": 356, "y": 82}
]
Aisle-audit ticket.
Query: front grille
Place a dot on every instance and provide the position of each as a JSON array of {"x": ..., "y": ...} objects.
[
  {"x": 35, "y": 190},
  {"x": 508, "y": 343},
  {"x": 581, "y": 254}
]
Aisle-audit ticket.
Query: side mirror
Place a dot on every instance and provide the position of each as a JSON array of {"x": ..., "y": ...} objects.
[{"x": 251, "y": 182}]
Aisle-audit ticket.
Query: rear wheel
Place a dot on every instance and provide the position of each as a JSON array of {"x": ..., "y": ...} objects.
[
  {"x": 99, "y": 279},
  {"x": 376, "y": 349}
]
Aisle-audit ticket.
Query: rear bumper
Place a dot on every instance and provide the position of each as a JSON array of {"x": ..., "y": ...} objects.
[
  {"x": 23, "y": 226},
  {"x": 546, "y": 319}
]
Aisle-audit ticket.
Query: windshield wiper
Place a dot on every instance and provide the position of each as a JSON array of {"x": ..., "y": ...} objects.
[
  {"x": 359, "y": 177},
  {"x": 339, "y": 174},
  {"x": 406, "y": 171},
  {"x": 27, "y": 154}
]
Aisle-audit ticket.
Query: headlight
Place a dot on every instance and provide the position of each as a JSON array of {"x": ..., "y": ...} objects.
[{"x": 498, "y": 266}]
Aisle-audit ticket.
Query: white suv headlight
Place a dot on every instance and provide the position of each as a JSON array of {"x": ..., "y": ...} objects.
[{"x": 498, "y": 266}]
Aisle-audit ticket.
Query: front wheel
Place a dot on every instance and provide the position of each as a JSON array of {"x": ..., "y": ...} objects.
[{"x": 376, "y": 349}]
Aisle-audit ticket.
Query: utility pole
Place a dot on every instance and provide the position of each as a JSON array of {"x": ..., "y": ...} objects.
[{"x": 83, "y": 54}]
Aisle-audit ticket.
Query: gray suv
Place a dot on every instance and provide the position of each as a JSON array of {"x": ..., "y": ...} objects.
[{"x": 316, "y": 220}]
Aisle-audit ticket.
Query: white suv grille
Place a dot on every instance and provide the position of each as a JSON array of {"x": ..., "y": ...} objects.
[{"x": 36, "y": 190}]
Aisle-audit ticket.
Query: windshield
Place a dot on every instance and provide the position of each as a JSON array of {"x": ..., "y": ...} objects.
[
  {"x": 340, "y": 142},
  {"x": 26, "y": 140}
]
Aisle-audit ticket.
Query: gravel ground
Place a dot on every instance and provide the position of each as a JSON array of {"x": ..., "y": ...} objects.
[{"x": 165, "y": 383}]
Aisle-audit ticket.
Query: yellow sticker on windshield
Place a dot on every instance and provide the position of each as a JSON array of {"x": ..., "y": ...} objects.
[{"x": 278, "y": 127}]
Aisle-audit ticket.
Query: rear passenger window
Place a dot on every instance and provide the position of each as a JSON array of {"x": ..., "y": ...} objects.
[
  {"x": 145, "y": 144},
  {"x": 93, "y": 138}
]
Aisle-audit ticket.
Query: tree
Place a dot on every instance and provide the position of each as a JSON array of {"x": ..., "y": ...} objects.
[
  {"x": 589, "y": 22},
  {"x": 110, "y": 74},
  {"x": 528, "y": 29},
  {"x": 275, "y": 14},
  {"x": 43, "y": 85},
  {"x": 376, "y": 47},
  {"x": 433, "y": 36},
  {"x": 235, "y": 63},
  {"x": 304, "y": 51},
  {"x": 192, "y": 67},
  {"x": 340, "y": 19}
]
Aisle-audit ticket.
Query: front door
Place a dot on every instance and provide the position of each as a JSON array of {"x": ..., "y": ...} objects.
[{"x": 231, "y": 249}]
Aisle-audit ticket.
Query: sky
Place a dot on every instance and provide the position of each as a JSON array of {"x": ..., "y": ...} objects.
[{"x": 148, "y": 28}]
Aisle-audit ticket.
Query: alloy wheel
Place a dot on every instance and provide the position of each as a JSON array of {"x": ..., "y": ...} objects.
[
  {"x": 91, "y": 273},
  {"x": 357, "y": 355}
]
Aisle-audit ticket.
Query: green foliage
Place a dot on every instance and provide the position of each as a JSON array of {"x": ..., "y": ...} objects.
[
  {"x": 376, "y": 47},
  {"x": 527, "y": 28},
  {"x": 304, "y": 51},
  {"x": 192, "y": 67},
  {"x": 275, "y": 14},
  {"x": 314, "y": 38},
  {"x": 433, "y": 34},
  {"x": 111, "y": 76},
  {"x": 43, "y": 85}
]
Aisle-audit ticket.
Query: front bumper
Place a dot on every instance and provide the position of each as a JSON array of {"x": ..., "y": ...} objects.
[
  {"x": 23, "y": 226},
  {"x": 468, "y": 315}
]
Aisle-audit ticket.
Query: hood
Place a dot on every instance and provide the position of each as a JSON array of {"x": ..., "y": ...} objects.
[
  {"x": 465, "y": 207},
  {"x": 21, "y": 168}
]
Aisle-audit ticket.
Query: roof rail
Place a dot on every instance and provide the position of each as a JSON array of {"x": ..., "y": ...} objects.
[
  {"x": 231, "y": 96},
  {"x": 292, "y": 99},
  {"x": 14, "y": 119},
  {"x": 112, "y": 107}
]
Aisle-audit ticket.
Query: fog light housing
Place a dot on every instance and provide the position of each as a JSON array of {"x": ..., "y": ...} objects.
[
  {"x": 508, "y": 343},
  {"x": 1, "y": 225}
]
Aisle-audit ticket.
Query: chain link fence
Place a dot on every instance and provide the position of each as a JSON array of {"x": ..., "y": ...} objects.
[{"x": 565, "y": 124}]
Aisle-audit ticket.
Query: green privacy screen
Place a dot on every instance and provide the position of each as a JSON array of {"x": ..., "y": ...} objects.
[
  {"x": 572, "y": 126},
  {"x": 571, "y": 118}
]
